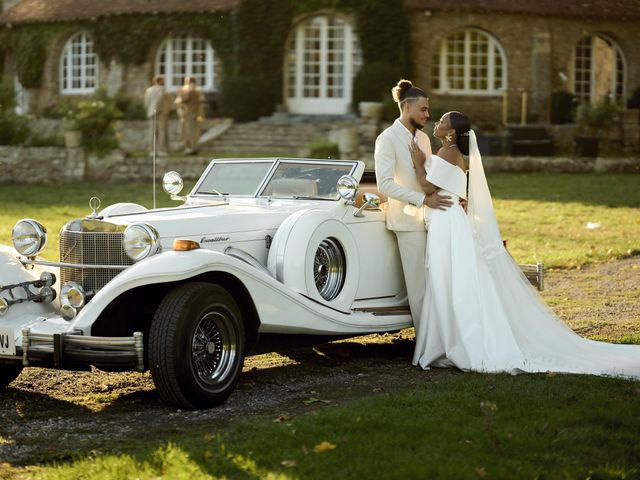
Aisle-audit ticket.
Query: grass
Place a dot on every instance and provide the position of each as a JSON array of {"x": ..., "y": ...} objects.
[
  {"x": 460, "y": 426},
  {"x": 543, "y": 217}
]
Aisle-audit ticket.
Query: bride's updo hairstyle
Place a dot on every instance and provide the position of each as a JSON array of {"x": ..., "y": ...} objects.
[
  {"x": 461, "y": 124},
  {"x": 404, "y": 90}
]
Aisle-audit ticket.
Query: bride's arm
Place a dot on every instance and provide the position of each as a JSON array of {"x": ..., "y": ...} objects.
[{"x": 419, "y": 157}]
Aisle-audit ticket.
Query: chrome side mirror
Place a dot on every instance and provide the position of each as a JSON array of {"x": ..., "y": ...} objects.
[
  {"x": 371, "y": 200},
  {"x": 172, "y": 184},
  {"x": 347, "y": 188}
]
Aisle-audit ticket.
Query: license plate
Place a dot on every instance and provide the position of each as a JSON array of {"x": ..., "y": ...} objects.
[{"x": 7, "y": 342}]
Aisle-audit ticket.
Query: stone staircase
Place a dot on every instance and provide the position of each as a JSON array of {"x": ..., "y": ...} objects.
[{"x": 261, "y": 138}]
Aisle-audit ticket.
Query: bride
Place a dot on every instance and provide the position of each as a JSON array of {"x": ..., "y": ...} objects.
[{"x": 480, "y": 313}]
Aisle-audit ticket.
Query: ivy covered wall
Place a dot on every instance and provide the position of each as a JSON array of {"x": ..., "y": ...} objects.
[{"x": 249, "y": 42}]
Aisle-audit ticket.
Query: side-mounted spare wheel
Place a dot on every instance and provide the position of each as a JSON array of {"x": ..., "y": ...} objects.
[
  {"x": 8, "y": 373},
  {"x": 196, "y": 346}
]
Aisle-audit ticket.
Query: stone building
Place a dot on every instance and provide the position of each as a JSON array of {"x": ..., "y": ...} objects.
[{"x": 499, "y": 60}]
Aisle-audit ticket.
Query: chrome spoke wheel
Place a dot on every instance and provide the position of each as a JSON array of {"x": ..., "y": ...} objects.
[
  {"x": 329, "y": 268},
  {"x": 213, "y": 351}
]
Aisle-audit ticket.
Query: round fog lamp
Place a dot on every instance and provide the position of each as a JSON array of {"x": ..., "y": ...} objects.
[
  {"x": 67, "y": 311},
  {"x": 29, "y": 237},
  {"x": 72, "y": 294}
]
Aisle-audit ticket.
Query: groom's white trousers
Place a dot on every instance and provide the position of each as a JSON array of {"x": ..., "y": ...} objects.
[{"x": 412, "y": 246}]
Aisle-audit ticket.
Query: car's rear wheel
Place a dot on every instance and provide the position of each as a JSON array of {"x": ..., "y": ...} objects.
[
  {"x": 196, "y": 346},
  {"x": 8, "y": 373}
]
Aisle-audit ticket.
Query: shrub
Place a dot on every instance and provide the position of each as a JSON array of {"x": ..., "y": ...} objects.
[
  {"x": 246, "y": 98},
  {"x": 602, "y": 116},
  {"x": 131, "y": 108},
  {"x": 7, "y": 93},
  {"x": 14, "y": 128},
  {"x": 324, "y": 150},
  {"x": 373, "y": 83},
  {"x": 94, "y": 118}
]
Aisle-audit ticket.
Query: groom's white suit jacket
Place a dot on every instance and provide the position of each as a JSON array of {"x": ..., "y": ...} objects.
[{"x": 396, "y": 177}]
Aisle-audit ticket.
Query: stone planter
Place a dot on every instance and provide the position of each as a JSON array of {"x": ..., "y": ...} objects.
[
  {"x": 371, "y": 110},
  {"x": 72, "y": 139}
]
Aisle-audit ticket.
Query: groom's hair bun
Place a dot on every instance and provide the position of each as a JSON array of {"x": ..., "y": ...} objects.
[
  {"x": 404, "y": 90},
  {"x": 401, "y": 87}
]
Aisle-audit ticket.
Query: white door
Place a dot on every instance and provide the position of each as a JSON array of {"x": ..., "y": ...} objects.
[{"x": 323, "y": 55}]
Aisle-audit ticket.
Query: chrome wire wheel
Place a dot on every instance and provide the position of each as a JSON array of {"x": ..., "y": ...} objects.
[
  {"x": 213, "y": 351},
  {"x": 329, "y": 268}
]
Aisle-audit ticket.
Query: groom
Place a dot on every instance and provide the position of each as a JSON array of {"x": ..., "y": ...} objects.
[{"x": 397, "y": 180}]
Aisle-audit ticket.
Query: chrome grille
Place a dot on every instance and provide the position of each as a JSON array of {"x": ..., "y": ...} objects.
[{"x": 91, "y": 248}]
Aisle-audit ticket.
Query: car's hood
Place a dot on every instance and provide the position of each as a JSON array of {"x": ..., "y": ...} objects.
[{"x": 208, "y": 220}]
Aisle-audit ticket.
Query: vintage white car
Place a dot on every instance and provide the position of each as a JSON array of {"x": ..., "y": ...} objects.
[{"x": 260, "y": 246}]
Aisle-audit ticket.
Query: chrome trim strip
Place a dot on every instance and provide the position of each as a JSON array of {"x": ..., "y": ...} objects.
[{"x": 73, "y": 265}]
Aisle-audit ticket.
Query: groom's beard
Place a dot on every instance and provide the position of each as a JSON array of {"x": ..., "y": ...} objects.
[{"x": 415, "y": 124}]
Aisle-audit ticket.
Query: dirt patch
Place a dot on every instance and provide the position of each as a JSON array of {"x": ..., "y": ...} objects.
[{"x": 47, "y": 415}]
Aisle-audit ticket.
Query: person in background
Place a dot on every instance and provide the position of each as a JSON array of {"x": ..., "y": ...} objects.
[
  {"x": 190, "y": 107},
  {"x": 158, "y": 103}
]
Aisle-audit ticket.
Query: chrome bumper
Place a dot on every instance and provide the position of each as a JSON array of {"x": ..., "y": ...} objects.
[{"x": 65, "y": 350}]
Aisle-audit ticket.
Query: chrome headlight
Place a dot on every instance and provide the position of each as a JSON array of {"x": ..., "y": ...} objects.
[
  {"x": 29, "y": 237},
  {"x": 73, "y": 294},
  {"x": 140, "y": 241}
]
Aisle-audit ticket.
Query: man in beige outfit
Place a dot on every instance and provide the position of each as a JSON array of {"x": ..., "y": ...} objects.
[
  {"x": 397, "y": 180},
  {"x": 190, "y": 107},
  {"x": 158, "y": 104}
]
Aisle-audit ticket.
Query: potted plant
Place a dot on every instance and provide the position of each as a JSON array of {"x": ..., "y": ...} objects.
[
  {"x": 593, "y": 122},
  {"x": 371, "y": 86}
]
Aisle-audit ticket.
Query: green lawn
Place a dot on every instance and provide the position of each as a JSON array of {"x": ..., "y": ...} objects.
[
  {"x": 543, "y": 217},
  {"x": 459, "y": 426}
]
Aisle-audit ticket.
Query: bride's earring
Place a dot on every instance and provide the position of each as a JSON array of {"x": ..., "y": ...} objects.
[{"x": 449, "y": 137}]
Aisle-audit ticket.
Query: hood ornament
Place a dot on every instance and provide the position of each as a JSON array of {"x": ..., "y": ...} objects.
[{"x": 94, "y": 204}]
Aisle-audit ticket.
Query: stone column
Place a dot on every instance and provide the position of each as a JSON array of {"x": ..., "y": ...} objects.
[{"x": 540, "y": 94}]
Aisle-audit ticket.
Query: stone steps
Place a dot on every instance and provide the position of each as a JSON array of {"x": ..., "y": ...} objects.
[{"x": 267, "y": 139}]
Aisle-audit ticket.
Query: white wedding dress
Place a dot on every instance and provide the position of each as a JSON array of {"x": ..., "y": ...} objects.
[{"x": 480, "y": 313}]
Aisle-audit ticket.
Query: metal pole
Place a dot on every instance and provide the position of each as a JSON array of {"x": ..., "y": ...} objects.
[{"x": 155, "y": 122}]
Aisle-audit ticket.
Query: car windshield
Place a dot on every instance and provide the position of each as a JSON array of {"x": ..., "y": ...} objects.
[
  {"x": 287, "y": 179},
  {"x": 294, "y": 179},
  {"x": 234, "y": 178}
]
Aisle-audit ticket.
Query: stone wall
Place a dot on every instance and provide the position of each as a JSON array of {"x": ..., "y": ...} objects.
[{"x": 24, "y": 165}]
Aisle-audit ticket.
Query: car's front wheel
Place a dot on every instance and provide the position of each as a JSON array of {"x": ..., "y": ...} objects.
[
  {"x": 8, "y": 373},
  {"x": 196, "y": 346}
]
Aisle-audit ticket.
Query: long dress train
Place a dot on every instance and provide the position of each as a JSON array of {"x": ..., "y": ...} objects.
[{"x": 480, "y": 313}]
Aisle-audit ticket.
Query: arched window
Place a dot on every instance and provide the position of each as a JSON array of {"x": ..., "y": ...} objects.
[
  {"x": 469, "y": 62},
  {"x": 322, "y": 57},
  {"x": 186, "y": 56},
  {"x": 79, "y": 65},
  {"x": 598, "y": 69}
]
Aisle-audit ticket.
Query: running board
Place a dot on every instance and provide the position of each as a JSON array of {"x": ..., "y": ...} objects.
[{"x": 399, "y": 310}]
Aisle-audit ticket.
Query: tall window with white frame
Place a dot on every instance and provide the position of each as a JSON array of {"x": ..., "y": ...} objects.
[
  {"x": 322, "y": 57},
  {"x": 598, "y": 69},
  {"x": 179, "y": 57},
  {"x": 79, "y": 65},
  {"x": 469, "y": 62}
]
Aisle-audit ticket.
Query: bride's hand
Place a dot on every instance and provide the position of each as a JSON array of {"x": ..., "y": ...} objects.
[{"x": 417, "y": 155}]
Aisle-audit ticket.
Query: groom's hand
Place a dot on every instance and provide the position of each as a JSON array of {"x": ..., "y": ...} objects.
[{"x": 437, "y": 202}]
